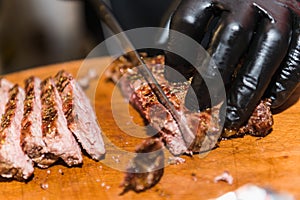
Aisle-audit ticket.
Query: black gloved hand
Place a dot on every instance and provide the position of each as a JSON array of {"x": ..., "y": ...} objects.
[{"x": 263, "y": 36}]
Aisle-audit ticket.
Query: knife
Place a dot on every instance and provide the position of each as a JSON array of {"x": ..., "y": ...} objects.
[{"x": 107, "y": 17}]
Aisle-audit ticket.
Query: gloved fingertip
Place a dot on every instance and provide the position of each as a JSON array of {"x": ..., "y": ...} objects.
[{"x": 232, "y": 119}]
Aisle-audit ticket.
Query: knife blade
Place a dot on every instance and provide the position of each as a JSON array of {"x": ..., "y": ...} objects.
[{"x": 110, "y": 21}]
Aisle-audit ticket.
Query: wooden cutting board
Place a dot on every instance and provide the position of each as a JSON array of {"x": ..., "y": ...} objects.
[{"x": 272, "y": 161}]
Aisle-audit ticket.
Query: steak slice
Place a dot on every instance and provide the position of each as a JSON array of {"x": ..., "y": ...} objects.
[
  {"x": 80, "y": 115},
  {"x": 14, "y": 163},
  {"x": 56, "y": 135},
  {"x": 31, "y": 135},
  {"x": 204, "y": 125}
]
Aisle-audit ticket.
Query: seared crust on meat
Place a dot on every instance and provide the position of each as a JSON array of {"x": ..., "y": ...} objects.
[
  {"x": 80, "y": 115},
  {"x": 5, "y": 86},
  {"x": 56, "y": 135}
]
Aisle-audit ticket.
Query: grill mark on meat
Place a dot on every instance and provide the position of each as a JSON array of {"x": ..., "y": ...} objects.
[
  {"x": 14, "y": 163},
  {"x": 65, "y": 90},
  {"x": 80, "y": 116},
  {"x": 31, "y": 134},
  {"x": 56, "y": 134},
  {"x": 5, "y": 86},
  {"x": 204, "y": 125},
  {"x": 9, "y": 110}
]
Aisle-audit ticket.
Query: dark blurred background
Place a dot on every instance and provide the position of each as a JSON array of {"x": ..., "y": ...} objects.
[{"x": 40, "y": 32}]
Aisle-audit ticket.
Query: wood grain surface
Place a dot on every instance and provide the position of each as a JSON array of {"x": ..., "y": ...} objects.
[{"x": 272, "y": 161}]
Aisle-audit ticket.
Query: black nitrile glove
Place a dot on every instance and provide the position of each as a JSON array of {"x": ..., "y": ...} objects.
[{"x": 262, "y": 37}]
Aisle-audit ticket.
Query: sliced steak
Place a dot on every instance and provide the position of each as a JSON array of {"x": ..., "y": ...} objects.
[
  {"x": 31, "y": 135},
  {"x": 14, "y": 163},
  {"x": 80, "y": 115},
  {"x": 56, "y": 135},
  {"x": 204, "y": 125}
]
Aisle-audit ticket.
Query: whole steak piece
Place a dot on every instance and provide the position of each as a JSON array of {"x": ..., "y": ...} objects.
[
  {"x": 56, "y": 135},
  {"x": 80, "y": 115},
  {"x": 14, "y": 163},
  {"x": 204, "y": 125}
]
